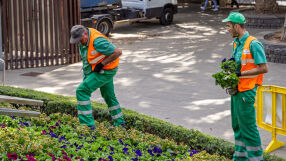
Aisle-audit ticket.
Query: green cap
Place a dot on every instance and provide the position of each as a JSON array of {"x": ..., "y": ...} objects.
[{"x": 235, "y": 17}]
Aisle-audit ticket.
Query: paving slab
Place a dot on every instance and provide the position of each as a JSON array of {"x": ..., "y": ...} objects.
[{"x": 165, "y": 72}]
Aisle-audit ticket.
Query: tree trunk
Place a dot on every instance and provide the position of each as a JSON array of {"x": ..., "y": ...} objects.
[
  {"x": 283, "y": 35},
  {"x": 266, "y": 6}
]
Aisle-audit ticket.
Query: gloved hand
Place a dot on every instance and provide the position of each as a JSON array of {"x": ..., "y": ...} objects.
[
  {"x": 238, "y": 73},
  {"x": 98, "y": 67},
  {"x": 231, "y": 91}
]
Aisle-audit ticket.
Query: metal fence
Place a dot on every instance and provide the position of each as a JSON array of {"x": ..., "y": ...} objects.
[{"x": 35, "y": 33}]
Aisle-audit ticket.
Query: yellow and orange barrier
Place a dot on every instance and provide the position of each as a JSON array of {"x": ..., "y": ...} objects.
[{"x": 271, "y": 106}]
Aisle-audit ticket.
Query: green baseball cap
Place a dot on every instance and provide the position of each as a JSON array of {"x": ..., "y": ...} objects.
[{"x": 235, "y": 17}]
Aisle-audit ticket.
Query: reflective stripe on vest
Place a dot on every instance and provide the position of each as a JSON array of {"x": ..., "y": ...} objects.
[
  {"x": 94, "y": 57},
  {"x": 247, "y": 63}
]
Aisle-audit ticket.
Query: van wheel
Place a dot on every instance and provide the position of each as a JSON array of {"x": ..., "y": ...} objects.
[
  {"x": 167, "y": 17},
  {"x": 104, "y": 26}
]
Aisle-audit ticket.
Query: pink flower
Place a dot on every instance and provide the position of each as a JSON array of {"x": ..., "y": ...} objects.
[
  {"x": 12, "y": 156},
  {"x": 43, "y": 132},
  {"x": 30, "y": 158},
  {"x": 67, "y": 158},
  {"x": 3, "y": 126},
  {"x": 64, "y": 153},
  {"x": 53, "y": 127}
]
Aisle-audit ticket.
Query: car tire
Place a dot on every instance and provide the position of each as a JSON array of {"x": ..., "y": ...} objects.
[
  {"x": 167, "y": 17},
  {"x": 104, "y": 26}
]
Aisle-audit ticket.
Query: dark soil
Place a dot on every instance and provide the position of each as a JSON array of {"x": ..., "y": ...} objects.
[{"x": 276, "y": 37}]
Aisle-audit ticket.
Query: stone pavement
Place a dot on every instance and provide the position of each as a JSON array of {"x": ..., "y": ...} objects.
[{"x": 165, "y": 72}]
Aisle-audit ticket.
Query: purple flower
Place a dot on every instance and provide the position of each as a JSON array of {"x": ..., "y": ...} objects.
[
  {"x": 13, "y": 156},
  {"x": 135, "y": 159},
  {"x": 150, "y": 152},
  {"x": 75, "y": 144},
  {"x": 53, "y": 135},
  {"x": 64, "y": 146},
  {"x": 225, "y": 66},
  {"x": 13, "y": 117},
  {"x": 111, "y": 148},
  {"x": 138, "y": 152},
  {"x": 110, "y": 158},
  {"x": 157, "y": 150},
  {"x": 125, "y": 150},
  {"x": 223, "y": 60},
  {"x": 120, "y": 141},
  {"x": 102, "y": 159},
  {"x": 193, "y": 152},
  {"x": 231, "y": 59},
  {"x": 79, "y": 147},
  {"x": 61, "y": 138}
]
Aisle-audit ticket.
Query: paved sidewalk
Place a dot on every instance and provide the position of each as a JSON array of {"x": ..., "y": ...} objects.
[{"x": 165, "y": 72}]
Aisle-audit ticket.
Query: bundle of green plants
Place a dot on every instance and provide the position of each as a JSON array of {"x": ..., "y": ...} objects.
[
  {"x": 227, "y": 78},
  {"x": 60, "y": 137}
]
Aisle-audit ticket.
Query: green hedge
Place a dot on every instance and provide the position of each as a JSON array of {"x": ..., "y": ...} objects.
[{"x": 196, "y": 140}]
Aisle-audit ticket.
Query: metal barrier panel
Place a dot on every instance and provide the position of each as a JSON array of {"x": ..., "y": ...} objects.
[
  {"x": 36, "y": 32},
  {"x": 271, "y": 113}
]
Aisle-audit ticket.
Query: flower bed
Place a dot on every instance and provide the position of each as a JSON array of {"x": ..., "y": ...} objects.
[
  {"x": 194, "y": 139},
  {"x": 60, "y": 137}
]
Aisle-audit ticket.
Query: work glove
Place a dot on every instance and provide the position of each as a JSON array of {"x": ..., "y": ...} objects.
[
  {"x": 238, "y": 73},
  {"x": 98, "y": 67},
  {"x": 231, "y": 91}
]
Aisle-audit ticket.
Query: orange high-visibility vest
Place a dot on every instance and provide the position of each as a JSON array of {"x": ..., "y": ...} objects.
[
  {"x": 247, "y": 63},
  {"x": 94, "y": 57}
]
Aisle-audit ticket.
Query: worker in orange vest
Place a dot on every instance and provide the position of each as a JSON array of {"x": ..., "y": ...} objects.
[
  {"x": 100, "y": 60},
  {"x": 248, "y": 52}
]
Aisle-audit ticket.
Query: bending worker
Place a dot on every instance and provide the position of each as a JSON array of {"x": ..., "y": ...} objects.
[
  {"x": 249, "y": 54},
  {"x": 100, "y": 63}
]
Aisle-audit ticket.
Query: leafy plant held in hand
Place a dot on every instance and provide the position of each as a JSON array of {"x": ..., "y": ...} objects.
[{"x": 227, "y": 77}]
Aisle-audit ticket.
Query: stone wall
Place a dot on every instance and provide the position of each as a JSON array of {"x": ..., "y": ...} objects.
[
  {"x": 264, "y": 22},
  {"x": 275, "y": 52}
]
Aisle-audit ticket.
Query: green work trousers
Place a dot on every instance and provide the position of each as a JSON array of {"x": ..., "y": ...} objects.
[
  {"x": 247, "y": 139},
  {"x": 92, "y": 82}
]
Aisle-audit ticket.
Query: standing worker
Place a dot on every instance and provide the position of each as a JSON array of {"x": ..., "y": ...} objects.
[
  {"x": 249, "y": 54},
  {"x": 100, "y": 63}
]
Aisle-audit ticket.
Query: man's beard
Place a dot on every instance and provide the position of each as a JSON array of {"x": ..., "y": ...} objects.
[{"x": 235, "y": 34}]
